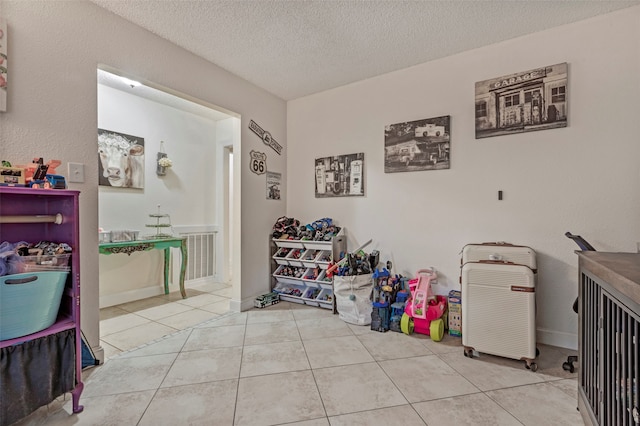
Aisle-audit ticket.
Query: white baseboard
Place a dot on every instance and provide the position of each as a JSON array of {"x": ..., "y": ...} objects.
[
  {"x": 129, "y": 296},
  {"x": 560, "y": 339},
  {"x": 238, "y": 306},
  {"x": 198, "y": 281},
  {"x": 98, "y": 352}
]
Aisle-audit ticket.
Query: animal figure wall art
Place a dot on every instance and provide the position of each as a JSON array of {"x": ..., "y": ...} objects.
[{"x": 121, "y": 159}]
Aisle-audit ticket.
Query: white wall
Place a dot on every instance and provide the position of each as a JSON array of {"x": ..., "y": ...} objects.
[
  {"x": 55, "y": 49},
  {"x": 584, "y": 178},
  {"x": 188, "y": 191}
]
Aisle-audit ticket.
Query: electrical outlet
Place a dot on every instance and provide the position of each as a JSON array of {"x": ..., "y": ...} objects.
[{"x": 76, "y": 172}]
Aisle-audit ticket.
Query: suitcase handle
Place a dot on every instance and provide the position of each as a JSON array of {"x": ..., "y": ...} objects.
[
  {"x": 497, "y": 262},
  {"x": 22, "y": 280},
  {"x": 501, "y": 262}
]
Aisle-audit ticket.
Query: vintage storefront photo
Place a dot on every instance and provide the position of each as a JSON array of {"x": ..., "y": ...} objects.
[
  {"x": 340, "y": 175},
  {"x": 522, "y": 102},
  {"x": 418, "y": 145}
]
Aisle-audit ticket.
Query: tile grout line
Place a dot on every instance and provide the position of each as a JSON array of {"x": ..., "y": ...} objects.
[
  {"x": 235, "y": 405},
  {"x": 440, "y": 356},
  {"x": 155, "y": 321},
  {"x": 315, "y": 381}
]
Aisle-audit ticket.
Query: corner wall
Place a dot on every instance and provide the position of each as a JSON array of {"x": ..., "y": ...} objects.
[
  {"x": 55, "y": 49},
  {"x": 584, "y": 178}
]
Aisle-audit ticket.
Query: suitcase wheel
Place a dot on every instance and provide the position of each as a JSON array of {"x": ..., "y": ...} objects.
[
  {"x": 568, "y": 366},
  {"x": 533, "y": 366},
  {"x": 468, "y": 353}
]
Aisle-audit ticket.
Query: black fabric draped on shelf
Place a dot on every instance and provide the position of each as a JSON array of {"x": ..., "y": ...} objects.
[{"x": 34, "y": 373}]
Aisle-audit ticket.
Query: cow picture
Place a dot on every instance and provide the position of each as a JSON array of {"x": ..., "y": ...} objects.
[{"x": 121, "y": 160}]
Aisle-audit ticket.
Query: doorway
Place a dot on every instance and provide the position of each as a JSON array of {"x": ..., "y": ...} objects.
[{"x": 196, "y": 194}]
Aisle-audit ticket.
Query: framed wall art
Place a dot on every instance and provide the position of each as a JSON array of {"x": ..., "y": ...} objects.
[
  {"x": 340, "y": 175},
  {"x": 274, "y": 180},
  {"x": 3, "y": 65},
  {"x": 522, "y": 102},
  {"x": 121, "y": 159},
  {"x": 418, "y": 145}
]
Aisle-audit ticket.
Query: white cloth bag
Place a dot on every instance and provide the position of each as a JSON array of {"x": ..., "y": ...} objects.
[{"x": 353, "y": 298}]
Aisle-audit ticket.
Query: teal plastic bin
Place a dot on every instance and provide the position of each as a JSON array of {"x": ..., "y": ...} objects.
[{"x": 29, "y": 302}]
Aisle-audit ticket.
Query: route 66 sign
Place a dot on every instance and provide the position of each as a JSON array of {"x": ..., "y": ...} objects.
[{"x": 258, "y": 162}]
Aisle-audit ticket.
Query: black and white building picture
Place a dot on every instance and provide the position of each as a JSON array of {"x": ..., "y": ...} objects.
[
  {"x": 522, "y": 102},
  {"x": 418, "y": 145},
  {"x": 121, "y": 159},
  {"x": 274, "y": 180},
  {"x": 340, "y": 176}
]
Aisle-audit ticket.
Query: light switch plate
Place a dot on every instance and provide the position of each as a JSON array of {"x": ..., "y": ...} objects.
[{"x": 76, "y": 172}]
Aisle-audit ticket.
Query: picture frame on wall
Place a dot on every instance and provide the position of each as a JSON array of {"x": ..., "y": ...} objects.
[
  {"x": 120, "y": 160},
  {"x": 3, "y": 65},
  {"x": 522, "y": 102},
  {"x": 274, "y": 180},
  {"x": 418, "y": 145},
  {"x": 340, "y": 176}
]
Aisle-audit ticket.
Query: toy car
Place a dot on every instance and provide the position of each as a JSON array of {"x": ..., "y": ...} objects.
[{"x": 266, "y": 300}]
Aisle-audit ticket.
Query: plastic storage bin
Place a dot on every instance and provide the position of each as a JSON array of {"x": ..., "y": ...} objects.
[
  {"x": 325, "y": 298},
  {"x": 310, "y": 295},
  {"x": 124, "y": 235},
  {"x": 280, "y": 255},
  {"x": 29, "y": 302},
  {"x": 104, "y": 237},
  {"x": 40, "y": 263},
  {"x": 290, "y": 292}
]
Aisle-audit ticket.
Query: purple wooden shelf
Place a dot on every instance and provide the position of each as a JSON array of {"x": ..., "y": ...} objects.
[{"x": 18, "y": 208}]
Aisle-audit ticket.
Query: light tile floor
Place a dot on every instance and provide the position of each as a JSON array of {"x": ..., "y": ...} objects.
[
  {"x": 298, "y": 365},
  {"x": 127, "y": 326}
]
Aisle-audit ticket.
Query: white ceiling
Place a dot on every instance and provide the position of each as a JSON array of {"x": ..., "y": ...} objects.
[
  {"x": 294, "y": 48},
  {"x": 147, "y": 92}
]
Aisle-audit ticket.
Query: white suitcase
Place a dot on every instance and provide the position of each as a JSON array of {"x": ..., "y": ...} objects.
[
  {"x": 506, "y": 252},
  {"x": 499, "y": 310}
]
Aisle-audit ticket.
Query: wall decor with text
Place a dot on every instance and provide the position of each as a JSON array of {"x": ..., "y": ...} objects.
[{"x": 522, "y": 102}]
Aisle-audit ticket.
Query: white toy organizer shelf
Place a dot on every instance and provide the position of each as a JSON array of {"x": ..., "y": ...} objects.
[{"x": 300, "y": 269}]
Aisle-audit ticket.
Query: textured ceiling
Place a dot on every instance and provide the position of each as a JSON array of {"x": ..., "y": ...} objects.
[{"x": 297, "y": 48}]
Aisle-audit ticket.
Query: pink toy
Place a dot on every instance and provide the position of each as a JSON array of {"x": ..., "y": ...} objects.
[
  {"x": 422, "y": 294},
  {"x": 423, "y": 306}
]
